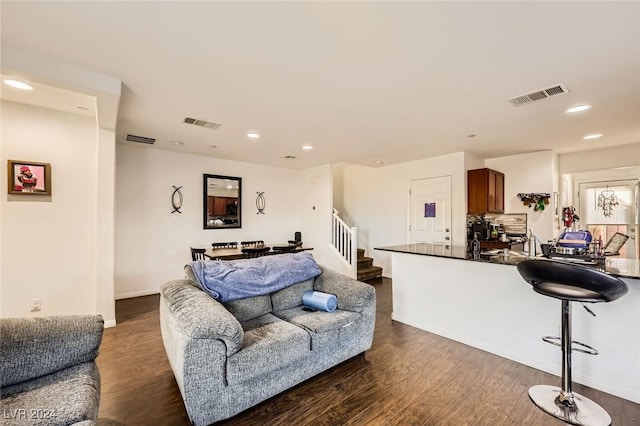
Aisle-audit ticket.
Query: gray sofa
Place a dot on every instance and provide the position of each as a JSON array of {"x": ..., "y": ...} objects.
[
  {"x": 227, "y": 358},
  {"x": 47, "y": 370}
]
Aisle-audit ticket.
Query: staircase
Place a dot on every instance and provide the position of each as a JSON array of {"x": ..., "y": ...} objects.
[
  {"x": 343, "y": 241},
  {"x": 366, "y": 270}
]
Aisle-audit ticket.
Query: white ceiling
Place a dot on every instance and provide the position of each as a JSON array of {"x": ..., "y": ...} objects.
[
  {"x": 50, "y": 97},
  {"x": 360, "y": 81}
]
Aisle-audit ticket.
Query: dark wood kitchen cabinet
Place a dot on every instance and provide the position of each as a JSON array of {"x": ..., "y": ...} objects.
[
  {"x": 219, "y": 206},
  {"x": 222, "y": 206},
  {"x": 485, "y": 191}
]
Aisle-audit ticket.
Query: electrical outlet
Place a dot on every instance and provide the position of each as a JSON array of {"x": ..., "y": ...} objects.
[{"x": 36, "y": 305}]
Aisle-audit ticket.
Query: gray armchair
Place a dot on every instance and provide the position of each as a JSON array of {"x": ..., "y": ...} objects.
[{"x": 48, "y": 373}]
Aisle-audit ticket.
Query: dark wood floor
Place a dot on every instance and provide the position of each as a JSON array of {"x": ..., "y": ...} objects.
[{"x": 409, "y": 377}]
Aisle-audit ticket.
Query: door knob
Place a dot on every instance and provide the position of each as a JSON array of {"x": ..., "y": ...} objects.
[
  {"x": 447, "y": 238},
  {"x": 446, "y": 230}
]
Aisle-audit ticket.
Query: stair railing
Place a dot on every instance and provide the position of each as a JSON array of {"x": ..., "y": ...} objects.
[{"x": 344, "y": 240}]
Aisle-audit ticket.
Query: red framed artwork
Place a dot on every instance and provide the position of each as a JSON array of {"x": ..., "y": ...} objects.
[{"x": 29, "y": 178}]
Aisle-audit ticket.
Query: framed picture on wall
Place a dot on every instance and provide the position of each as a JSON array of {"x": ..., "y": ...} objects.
[{"x": 29, "y": 178}]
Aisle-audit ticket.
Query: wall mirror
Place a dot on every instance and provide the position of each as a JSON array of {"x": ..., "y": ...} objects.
[{"x": 221, "y": 202}]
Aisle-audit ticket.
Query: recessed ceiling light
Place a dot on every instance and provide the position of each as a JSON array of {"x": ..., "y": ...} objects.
[
  {"x": 253, "y": 135},
  {"x": 17, "y": 84},
  {"x": 307, "y": 147},
  {"x": 81, "y": 108},
  {"x": 289, "y": 157},
  {"x": 379, "y": 162},
  {"x": 578, "y": 108},
  {"x": 178, "y": 143},
  {"x": 472, "y": 135},
  {"x": 592, "y": 136},
  {"x": 213, "y": 146}
]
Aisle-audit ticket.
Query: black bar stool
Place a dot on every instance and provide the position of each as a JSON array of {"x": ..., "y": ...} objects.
[{"x": 570, "y": 283}]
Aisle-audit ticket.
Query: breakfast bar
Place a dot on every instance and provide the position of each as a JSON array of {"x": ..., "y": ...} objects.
[{"x": 486, "y": 304}]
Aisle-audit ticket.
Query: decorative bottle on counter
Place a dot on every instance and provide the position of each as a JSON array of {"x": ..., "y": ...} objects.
[
  {"x": 475, "y": 246},
  {"x": 532, "y": 244}
]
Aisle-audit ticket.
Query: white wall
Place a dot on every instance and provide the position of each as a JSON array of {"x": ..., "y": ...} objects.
[
  {"x": 338, "y": 188},
  {"x": 50, "y": 243},
  {"x": 316, "y": 204},
  {"x": 472, "y": 161},
  {"x": 597, "y": 159},
  {"x": 152, "y": 245},
  {"x": 378, "y": 198},
  {"x": 105, "y": 217},
  {"x": 58, "y": 138},
  {"x": 533, "y": 172}
]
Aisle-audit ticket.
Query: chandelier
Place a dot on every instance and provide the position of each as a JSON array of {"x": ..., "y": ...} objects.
[{"x": 607, "y": 201}]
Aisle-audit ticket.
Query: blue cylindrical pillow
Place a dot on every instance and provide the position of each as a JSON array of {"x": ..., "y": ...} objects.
[{"x": 321, "y": 301}]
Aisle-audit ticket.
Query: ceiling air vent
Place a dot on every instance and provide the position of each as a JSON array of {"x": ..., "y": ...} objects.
[
  {"x": 557, "y": 89},
  {"x": 201, "y": 123},
  {"x": 139, "y": 139}
]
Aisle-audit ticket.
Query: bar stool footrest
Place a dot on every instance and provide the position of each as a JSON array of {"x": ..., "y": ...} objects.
[{"x": 575, "y": 345}]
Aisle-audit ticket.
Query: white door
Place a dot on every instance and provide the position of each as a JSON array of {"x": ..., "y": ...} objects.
[
  {"x": 609, "y": 207},
  {"x": 430, "y": 214}
]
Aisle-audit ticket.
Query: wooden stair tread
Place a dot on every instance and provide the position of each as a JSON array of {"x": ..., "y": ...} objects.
[
  {"x": 366, "y": 269},
  {"x": 363, "y": 262},
  {"x": 368, "y": 273},
  {"x": 370, "y": 269}
]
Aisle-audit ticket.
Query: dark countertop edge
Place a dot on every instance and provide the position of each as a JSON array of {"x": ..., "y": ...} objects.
[
  {"x": 445, "y": 256},
  {"x": 397, "y": 249}
]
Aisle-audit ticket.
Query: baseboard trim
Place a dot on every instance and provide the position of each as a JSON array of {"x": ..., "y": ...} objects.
[
  {"x": 136, "y": 294},
  {"x": 110, "y": 323}
]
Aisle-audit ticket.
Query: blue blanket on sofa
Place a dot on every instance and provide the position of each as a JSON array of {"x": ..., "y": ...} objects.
[{"x": 239, "y": 279}]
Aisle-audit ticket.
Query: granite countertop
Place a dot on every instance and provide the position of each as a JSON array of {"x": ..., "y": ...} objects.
[{"x": 623, "y": 268}]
